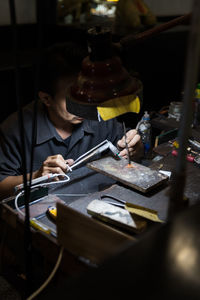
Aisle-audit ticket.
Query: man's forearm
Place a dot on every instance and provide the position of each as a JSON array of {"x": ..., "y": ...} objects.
[{"x": 7, "y": 185}]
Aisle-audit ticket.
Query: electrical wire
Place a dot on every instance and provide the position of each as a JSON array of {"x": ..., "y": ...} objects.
[
  {"x": 50, "y": 276},
  {"x": 72, "y": 195},
  {"x": 40, "y": 185}
]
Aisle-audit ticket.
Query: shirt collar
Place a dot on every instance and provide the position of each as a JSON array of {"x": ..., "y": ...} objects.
[{"x": 46, "y": 131}]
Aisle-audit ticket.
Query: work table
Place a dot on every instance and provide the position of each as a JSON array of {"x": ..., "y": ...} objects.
[{"x": 156, "y": 199}]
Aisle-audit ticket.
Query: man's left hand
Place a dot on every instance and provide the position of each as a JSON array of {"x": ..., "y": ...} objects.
[{"x": 135, "y": 145}]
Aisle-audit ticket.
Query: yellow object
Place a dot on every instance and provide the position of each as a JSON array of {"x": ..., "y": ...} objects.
[
  {"x": 176, "y": 144},
  {"x": 144, "y": 212},
  {"x": 39, "y": 226},
  {"x": 197, "y": 91},
  {"x": 52, "y": 212},
  {"x": 156, "y": 142},
  {"x": 115, "y": 107}
]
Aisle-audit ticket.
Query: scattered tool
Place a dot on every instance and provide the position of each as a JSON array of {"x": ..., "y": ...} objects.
[
  {"x": 195, "y": 144},
  {"x": 39, "y": 226},
  {"x": 175, "y": 144},
  {"x": 141, "y": 211},
  {"x": 189, "y": 150},
  {"x": 128, "y": 153},
  {"x": 189, "y": 157},
  {"x": 116, "y": 216},
  {"x": 52, "y": 212},
  {"x": 192, "y": 155},
  {"x": 96, "y": 150}
]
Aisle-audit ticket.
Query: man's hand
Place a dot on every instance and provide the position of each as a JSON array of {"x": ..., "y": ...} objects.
[
  {"x": 54, "y": 164},
  {"x": 135, "y": 145}
]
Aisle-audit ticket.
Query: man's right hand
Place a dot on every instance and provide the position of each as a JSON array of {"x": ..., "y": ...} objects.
[{"x": 54, "y": 164}]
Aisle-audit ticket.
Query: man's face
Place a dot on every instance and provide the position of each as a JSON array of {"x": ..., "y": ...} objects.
[{"x": 57, "y": 108}]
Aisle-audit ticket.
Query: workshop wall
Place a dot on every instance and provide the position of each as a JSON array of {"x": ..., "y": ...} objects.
[
  {"x": 169, "y": 8},
  {"x": 25, "y": 12},
  {"x": 159, "y": 62}
]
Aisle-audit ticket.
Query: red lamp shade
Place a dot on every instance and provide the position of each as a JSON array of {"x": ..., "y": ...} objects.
[{"x": 102, "y": 77}]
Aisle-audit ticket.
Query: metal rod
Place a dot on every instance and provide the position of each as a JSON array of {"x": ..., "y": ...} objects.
[
  {"x": 126, "y": 144},
  {"x": 131, "y": 40},
  {"x": 176, "y": 202},
  {"x": 128, "y": 42}
]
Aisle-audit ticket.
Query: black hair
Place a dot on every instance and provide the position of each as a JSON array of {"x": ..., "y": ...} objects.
[{"x": 57, "y": 62}]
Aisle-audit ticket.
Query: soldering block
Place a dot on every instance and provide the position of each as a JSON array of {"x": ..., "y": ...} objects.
[{"x": 116, "y": 216}]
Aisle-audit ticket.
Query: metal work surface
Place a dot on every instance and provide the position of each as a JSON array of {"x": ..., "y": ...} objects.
[
  {"x": 156, "y": 199},
  {"x": 135, "y": 175}
]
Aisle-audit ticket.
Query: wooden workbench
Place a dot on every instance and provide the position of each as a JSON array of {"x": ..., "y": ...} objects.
[{"x": 45, "y": 248}]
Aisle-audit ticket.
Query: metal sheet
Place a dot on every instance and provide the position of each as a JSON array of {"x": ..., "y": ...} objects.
[{"x": 138, "y": 176}]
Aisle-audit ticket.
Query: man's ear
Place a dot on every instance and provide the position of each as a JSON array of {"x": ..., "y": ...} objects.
[{"x": 45, "y": 98}]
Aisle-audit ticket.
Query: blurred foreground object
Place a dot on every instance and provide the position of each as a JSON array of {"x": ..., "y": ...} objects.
[{"x": 132, "y": 16}]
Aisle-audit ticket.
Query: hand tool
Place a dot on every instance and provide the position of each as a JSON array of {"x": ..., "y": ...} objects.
[
  {"x": 121, "y": 203},
  {"x": 52, "y": 212},
  {"x": 189, "y": 157},
  {"x": 39, "y": 226},
  {"x": 194, "y": 143},
  {"x": 141, "y": 211},
  {"x": 35, "y": 181},
  {"x": 95, "y": 150},
  {"x": 126, "y": 144}
]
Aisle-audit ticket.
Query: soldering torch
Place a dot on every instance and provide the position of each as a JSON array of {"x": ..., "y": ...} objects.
[
  {"x": 83, "y": 158},
  {"x": 105, "y": 145}
]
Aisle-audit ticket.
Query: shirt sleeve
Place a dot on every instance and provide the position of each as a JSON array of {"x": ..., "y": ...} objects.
[{"x": 10, "y": 157}]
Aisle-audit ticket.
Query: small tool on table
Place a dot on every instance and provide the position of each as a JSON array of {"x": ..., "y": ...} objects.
[
  {"x": 194, "y": 143},
  {"x": 141, "y": 211},
  {"x": 52, "y": 212},
  {"x": 189, "y": 157}
]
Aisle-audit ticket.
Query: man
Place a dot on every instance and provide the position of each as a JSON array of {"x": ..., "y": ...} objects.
[
  {"x": 132, "y": 16},
  {"x": 61, "y": 137}
]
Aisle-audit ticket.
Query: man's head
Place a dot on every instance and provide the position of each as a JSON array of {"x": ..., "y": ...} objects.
[
  {"x": 60, "y": 64},
  {"x": 59, "y": 61}
]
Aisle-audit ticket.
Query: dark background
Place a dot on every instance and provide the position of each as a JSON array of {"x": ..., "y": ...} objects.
[{"x": 159, "y": 62}]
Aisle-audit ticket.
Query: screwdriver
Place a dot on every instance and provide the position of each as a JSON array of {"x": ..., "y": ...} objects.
[{"x": 39, "y": 226}]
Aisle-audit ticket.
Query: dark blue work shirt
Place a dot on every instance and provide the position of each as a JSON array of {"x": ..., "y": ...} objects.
[{"x": 48, "y": 142}]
